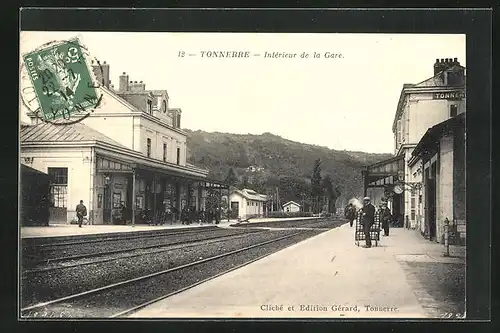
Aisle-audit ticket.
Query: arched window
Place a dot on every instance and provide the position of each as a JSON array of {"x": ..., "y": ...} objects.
[{"x": 164, "y": 106}]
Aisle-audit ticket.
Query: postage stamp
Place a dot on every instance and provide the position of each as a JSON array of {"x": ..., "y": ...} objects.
[{"x": 62, "y": 80}]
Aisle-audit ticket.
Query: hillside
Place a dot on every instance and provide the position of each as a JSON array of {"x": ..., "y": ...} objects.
[{"x": 266, "y": 161}]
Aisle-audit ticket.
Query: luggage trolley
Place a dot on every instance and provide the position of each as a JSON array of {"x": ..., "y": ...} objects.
[{"x": 359, "y": 234}]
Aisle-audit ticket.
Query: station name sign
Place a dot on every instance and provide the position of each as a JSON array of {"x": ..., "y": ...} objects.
[{"x": 449, "y": 95}]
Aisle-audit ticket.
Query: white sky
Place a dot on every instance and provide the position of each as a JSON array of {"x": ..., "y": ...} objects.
[{"x": 344, "y": 103}]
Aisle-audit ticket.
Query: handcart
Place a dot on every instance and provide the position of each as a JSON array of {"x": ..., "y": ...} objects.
[{"x": 359, "y": 233}]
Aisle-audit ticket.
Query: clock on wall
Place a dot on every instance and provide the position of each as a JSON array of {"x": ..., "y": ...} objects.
[{"x": 398, "y": 189}]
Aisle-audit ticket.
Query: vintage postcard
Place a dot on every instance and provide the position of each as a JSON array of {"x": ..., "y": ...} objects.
[{"x": 242, "y": 175}]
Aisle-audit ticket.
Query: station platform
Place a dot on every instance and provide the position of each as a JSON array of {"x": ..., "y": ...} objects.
[
  {"x": 326, "y": 276},
  {"x": 58, "y": 230}
]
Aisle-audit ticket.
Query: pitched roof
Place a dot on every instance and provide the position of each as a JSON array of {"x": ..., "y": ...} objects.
[
  {"x": 291, "y": 203},
  {"x": 251, "y": 195},
  {"x": 47, "y": 132},
  {"x": 29, "y": 170},
  {"x": 430, "y": 139}
]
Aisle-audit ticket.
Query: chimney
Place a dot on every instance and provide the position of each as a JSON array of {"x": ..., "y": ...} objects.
[
  {"x": 137, "y": 86},
  {"x": 123, "y": 84},
  {"x": 456, "y": 76},
  {"x": 101, "y": 72},
  {"x": 437, "y": 67},
  {"x": 444, "y": 64}
]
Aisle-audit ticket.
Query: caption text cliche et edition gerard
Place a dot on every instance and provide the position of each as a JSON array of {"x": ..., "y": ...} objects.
[{"x": 327, "y": 308}]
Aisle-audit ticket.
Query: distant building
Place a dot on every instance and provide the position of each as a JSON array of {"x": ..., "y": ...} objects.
[
  {"x": 291, "y": 206},
  {"x": 130, "y": 150},
  {"x": 420, "y": 107},
  {"x": 246, "y": 203}
]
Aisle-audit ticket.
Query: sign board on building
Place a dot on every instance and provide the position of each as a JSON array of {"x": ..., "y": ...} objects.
[{"x": 454, "y": 95}]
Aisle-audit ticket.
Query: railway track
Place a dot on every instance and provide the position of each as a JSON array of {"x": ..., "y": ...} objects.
[
  {"x": 167, "y": 241},
  {"x": 157, "y": 249},
  {"x": 312, "y": 223},
  {"x": 34, "y": 246},
  {"x": 125, "y": 297}
]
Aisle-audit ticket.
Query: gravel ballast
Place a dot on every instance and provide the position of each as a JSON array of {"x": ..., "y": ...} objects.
[
  {"x": 306, "y": 223},
  {"x": 58, "y": 252}
]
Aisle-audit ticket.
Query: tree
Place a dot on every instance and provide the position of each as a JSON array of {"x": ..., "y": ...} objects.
[
  {"x": 231, "y": 178},
  {"x": 244, "y": 182},
  {"x": 316, "y": 189},
  {"x": 337, "y": 192},
  {"x": 332, "y": 192},
  {"x": 329, "y": 192}
]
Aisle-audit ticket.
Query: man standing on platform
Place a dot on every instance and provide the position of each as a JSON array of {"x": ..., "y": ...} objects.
[
  {"x": 368, "y": 218},
  {"x": 81, "y": 211},
  {"x": 350, "y": 213},
  {"x": 385, "y": 217}
]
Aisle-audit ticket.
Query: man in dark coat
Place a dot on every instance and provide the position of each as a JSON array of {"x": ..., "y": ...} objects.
[
  {"x": 368, "y": 218},
  {"x": 123, "y": 212},
  {"x": 385, "y": 217},
  {"x": 81, "y": 211},
  {"x": 350, "y": 213}
]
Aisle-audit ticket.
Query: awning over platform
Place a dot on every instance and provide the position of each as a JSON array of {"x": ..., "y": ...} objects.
[
  {"x": 111, "y": 164},
  {"x": 390, "y": 167},
  {"x": 383, "y": 173}
]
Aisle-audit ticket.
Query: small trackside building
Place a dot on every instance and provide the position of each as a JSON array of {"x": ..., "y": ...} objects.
[
  {"x": 291, "y": 206},
  {"x": 247, "y": 203}
]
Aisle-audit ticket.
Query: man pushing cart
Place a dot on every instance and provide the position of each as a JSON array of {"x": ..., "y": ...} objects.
[{"x": 367, "y": 224}]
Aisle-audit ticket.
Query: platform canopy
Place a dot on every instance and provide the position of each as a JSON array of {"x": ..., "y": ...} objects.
[{"x": 383, "y": 173}]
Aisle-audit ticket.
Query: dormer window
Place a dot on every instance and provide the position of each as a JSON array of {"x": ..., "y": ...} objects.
[
  {"x": 453, "y": 110},
  {"x": 148, "y": 147},
  {"x": 164, "y": 106},
  {"x": 150, "y": 106}
]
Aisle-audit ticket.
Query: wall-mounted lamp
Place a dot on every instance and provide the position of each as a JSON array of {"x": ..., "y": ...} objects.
[
  {"x": 28, "y": 160},
  {"x": 106, "y": 179}
]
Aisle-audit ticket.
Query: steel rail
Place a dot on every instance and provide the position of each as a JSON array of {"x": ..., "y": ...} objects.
[
  {"x": 165, "y": 247},
  {"x": 143, "y": 305},
  {"x": 118, "y": 237},
  {"x": 103, "y": 253}
]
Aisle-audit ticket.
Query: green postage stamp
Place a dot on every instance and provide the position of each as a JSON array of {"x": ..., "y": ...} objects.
[{"x": 62, "y": 79}]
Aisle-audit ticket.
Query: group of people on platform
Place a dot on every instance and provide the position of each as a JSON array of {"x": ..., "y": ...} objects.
[
  {"x": 367, "y": 217},
  {"x": 192, "y": 215},
  {"x": 187, "y": 215}
]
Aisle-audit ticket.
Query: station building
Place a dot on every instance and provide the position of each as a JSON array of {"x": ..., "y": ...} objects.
[
  {"x": 427, "y": 170},
  {"x": 130, "y": 151}
]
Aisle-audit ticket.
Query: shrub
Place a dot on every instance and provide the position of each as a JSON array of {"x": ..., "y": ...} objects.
[{"x": 289, "y": 214}]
